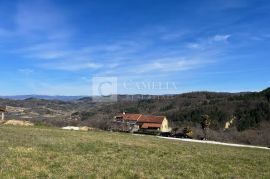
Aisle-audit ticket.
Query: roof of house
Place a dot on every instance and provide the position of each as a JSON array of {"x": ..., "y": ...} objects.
[
  {"x": 151, "y": 119},
  {"x": 143, "y": 118},
  {"x": 131, "y": 117},
  {"x": 150, "y": 125}
]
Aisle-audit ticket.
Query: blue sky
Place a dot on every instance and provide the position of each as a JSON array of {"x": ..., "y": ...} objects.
[{"x": 57, "y": 47}]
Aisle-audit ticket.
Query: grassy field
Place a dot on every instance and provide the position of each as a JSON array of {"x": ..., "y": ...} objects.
[{"x": 36, "y": 152}]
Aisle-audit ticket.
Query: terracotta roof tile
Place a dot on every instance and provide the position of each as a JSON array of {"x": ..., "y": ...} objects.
[
  {"x": 143, "y": 118},
  {"x": 151, "y": 119}
]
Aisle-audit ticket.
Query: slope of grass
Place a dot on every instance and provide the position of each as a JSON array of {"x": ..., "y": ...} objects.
[{"x": 31, "y": 152}]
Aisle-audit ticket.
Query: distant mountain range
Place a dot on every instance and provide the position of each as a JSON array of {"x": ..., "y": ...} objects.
[
  {"x": 46, "y": 97},
  {"x": 122, "y": 97}
]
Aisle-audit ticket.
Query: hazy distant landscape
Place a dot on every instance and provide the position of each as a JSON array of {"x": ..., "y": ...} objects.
[
  {"x": 23, "y": 97},
  {"x": 250, "y": 110}
]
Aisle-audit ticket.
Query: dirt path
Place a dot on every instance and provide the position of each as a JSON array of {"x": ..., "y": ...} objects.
[{"x": 214, "y": 142}]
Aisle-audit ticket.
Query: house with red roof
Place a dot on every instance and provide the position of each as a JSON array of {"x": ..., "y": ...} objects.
[{"x": 143, "y": 122}]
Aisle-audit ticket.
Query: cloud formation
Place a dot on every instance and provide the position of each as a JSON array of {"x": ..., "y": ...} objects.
[{"x": 60, "y": 43}]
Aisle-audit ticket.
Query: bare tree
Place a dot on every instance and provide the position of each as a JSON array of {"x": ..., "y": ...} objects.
[{"x": 205, "y": 125}]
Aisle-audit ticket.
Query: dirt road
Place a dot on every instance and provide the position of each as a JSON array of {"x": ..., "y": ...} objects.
[{"x": 214, "y": 142}]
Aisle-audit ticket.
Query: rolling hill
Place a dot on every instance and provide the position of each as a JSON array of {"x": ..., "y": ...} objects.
[
  {"x": 42, "y": 152},
  {"x": 250, "y": 111}
]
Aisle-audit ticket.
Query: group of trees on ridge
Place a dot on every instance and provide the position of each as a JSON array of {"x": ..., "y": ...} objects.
[{"x": 249, "y": 109}]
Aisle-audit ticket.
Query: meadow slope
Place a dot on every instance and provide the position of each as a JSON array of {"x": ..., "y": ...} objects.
[{"x": 31, "y": 152}]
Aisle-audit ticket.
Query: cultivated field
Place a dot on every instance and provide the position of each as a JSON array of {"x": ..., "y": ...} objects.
[{"x": 36, "y": 152}]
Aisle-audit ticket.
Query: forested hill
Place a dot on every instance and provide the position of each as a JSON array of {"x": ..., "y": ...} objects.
[{"x": 249, "y": 109}]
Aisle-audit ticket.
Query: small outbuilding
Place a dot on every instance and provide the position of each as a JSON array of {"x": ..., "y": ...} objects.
[{"x": 2, "y": 111}]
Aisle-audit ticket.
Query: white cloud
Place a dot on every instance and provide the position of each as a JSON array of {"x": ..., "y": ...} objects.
[
  {"x": 72, "y": 65},
  {"x": 207, "y": 43},
  {"x": 157, "y": 67},
  {"x": 170, "y": 65},
  {"x": 193, "y": 45},
  {"x": 221, "y": 38},
  {"x": 69, "y": 89},
  {"x": 46, "y": 50},
  {"x": 41, "y": 18},
  {"x": 174, "y": 35},
  {"x": 26, "y": 71},
  {"x": 47, "y": 54},
  {"x": 36, "y": 21},
  {"x": 115, "y": 57},
  {"x": 63, "y": 57}
]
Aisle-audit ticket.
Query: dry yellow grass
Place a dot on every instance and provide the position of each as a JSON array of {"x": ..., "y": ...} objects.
[
  {"x": 18, "y": 123},
  {"x": 38, "y": 152}
]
